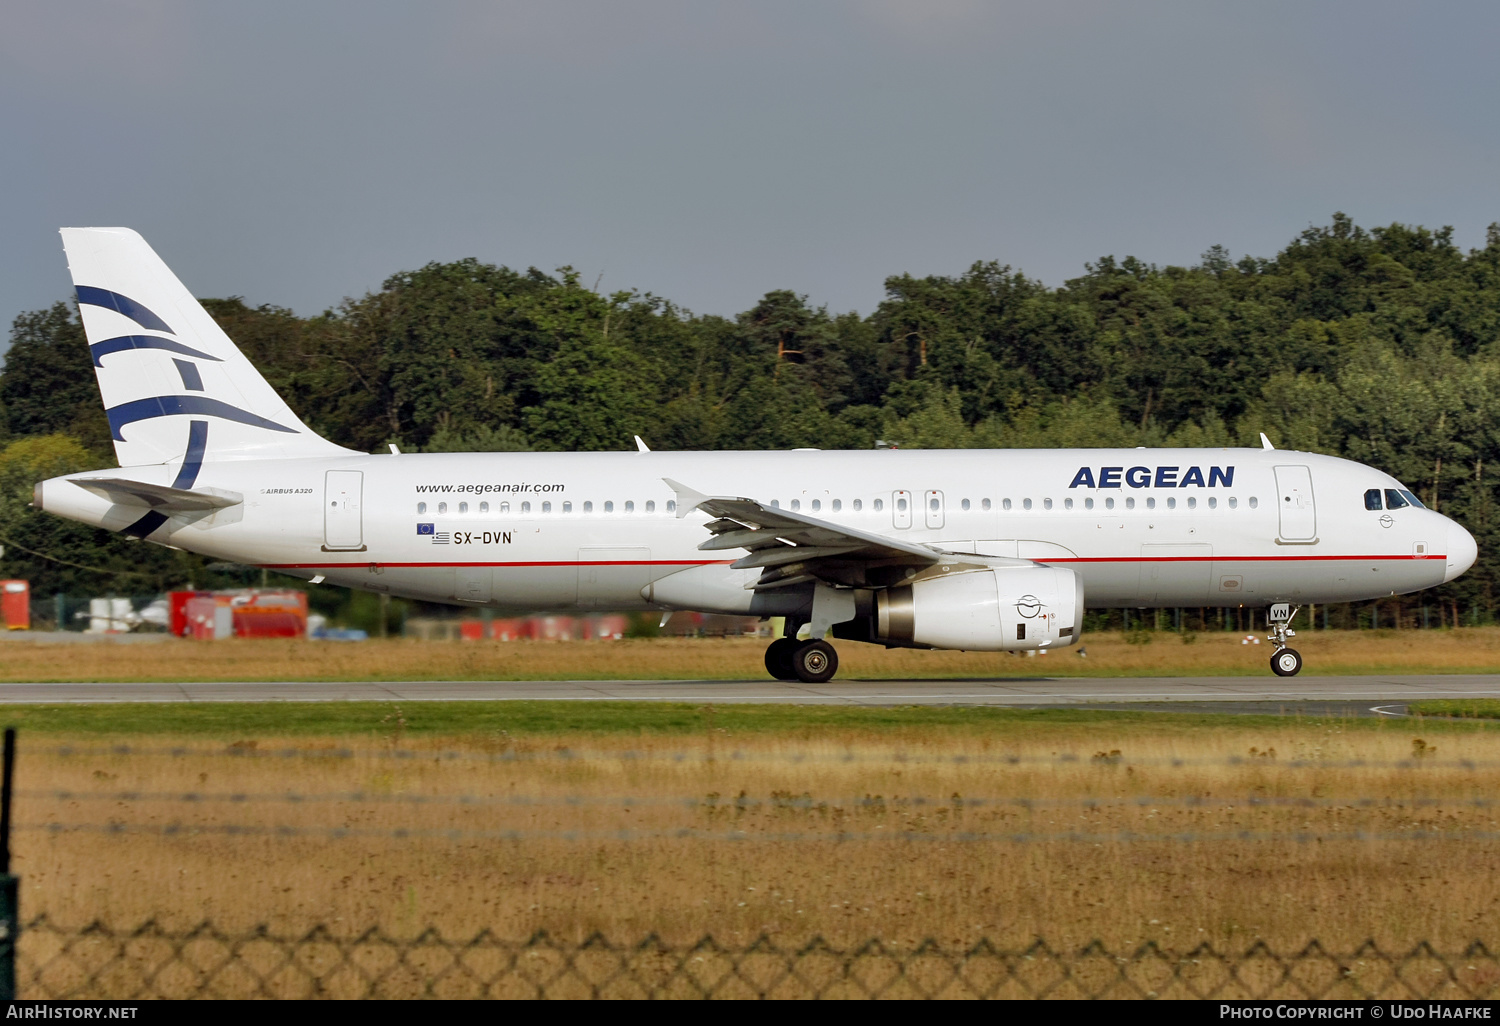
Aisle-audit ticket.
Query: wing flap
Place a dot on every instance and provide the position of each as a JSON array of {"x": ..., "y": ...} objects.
[{"x": 796, "y": 549}]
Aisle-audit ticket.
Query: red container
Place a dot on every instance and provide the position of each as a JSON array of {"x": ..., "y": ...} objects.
[
  {"x": 15, "y": 605},
  {"x": 512, "y": 630},
  {"x": 470, "y": 630},
  {"x": 200, "y": 616},
  {"x": 270, "y": 614},
  {"x": 177, "y": 605}
]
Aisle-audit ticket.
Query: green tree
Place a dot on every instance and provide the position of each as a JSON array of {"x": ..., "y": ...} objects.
[{"x": 47, "y": 385}]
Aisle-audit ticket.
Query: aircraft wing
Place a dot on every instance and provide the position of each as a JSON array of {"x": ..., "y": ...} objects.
[
  {"x": 158, "y": 497},
  {"x": 793, "y": 549}
]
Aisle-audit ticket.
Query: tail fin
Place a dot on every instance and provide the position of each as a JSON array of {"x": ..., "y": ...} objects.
[{"x": 174, "y": 386}]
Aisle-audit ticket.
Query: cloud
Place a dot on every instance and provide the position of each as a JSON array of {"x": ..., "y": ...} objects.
[{"x": 135, "y": 41}]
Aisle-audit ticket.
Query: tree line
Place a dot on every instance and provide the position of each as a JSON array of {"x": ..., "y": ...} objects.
[{"x": 1377, "y": 344}]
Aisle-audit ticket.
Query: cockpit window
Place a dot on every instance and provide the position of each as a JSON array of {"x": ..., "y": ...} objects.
[
  {"x": 1372, "y": 499},
  {"x": 1393, "y": 499},
  {"x": 1412, "y": 499}
]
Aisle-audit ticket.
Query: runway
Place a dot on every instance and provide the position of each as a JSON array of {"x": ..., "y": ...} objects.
[{"x": 1369, "y": 695}]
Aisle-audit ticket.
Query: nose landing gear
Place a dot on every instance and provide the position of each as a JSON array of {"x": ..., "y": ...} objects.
[
  {"x": 812, "y": 662},
  {"x": 1285, "y": 662}
]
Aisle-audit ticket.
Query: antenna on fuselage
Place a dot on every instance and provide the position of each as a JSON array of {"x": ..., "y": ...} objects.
[{"x": 1265, "y": 443}]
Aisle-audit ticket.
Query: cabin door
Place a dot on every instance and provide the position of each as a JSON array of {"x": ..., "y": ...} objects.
[
  {"x": 1294, "y": 500},
  {"x": 343, "y": 517}
]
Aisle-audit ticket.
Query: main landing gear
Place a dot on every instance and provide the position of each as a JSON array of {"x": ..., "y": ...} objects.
[
  {"x": 1285, "y": 662},
  {"x": 812, "y": 662}
]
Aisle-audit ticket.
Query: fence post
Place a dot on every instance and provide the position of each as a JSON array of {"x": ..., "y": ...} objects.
[{"x": 10, "y": 918}]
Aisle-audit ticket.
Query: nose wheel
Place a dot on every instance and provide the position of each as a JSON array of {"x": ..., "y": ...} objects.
[
  {"x": 812, "y": 662},
  {"x": 1286, "y": 662}
]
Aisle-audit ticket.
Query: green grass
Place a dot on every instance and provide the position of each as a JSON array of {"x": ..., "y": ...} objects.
[
  {"x": 1459, "y": 708},
  {"x": 232, "y": 721}
]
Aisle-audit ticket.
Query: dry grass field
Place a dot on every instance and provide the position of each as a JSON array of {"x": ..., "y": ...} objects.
[
  {"x": 1466, "y": 650},
  {"x": 1270, "y": 777}
]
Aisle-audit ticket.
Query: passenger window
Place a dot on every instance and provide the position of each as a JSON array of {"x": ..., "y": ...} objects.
[
  {"x": 1025, "y": 503},
  {"x": 1046, "y": 504},
  {"x": 901, "y": 505},
  {"x": 1150, "y": 503},
  {"x": 964, "y": 505},
  {"x": 588, "y": 506},
  {"x": 1130, "y": 502},
  {"x": 421, "y": 507},
  {"x": 934, "y": 505},
  {"x": 650, "y": 505},
  {"x": 526, "y": 507},
  {"x": 1393, "y": 499},
  {"x": 1412, "y": 499},
  {"x": 1171, "y": 503},
  {"x": 609, "y": 506},
  {"x": 796, "y": 505},
  {"x": 442, "y": 507},
  {"x": 671, "y": 505},
  {"x": 1005, "y": 504},
  {"x": 838, "y": 504},
  {"x": 484, "y": 507},
  {"x": 1254, "y": 502},
  {"x": 1109, "y": 503},
  {"x": 878, "y": 504},
  {"x": 629, "y": 505},
  {"x": 505, "y": 507},
  {"x": 1213, "y": 502},
  {"x": 1192, "y": 503},
  {"x": 817, "y": 505},
  {"x": 567, "y": 507},
  {"x": 984, "y": 504},
  {"x": 1067, "y": 504},
  {"x": 463, "y": 507},
  {"x": 1233, "y": 502},
  {"x": 775, "y": 503},
  {"x": 857, "y": 505},
  {"x": 1372, "y": 499},
  {"x": 1088, "y": 503}
]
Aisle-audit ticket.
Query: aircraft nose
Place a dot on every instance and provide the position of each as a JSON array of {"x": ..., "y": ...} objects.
[{"x": 1462, "y": 551}]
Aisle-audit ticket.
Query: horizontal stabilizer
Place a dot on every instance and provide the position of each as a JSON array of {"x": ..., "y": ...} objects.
[{"x": 159, "y": 497}]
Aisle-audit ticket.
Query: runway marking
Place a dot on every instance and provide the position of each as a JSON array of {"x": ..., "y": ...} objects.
[{"x": 1013, "y": 692}]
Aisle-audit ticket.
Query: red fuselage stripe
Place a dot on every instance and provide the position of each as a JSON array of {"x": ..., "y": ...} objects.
[{"x": 711, "y": 562}]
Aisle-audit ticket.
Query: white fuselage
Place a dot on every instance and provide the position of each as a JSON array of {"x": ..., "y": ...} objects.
[{"x": 551, "y": 531}]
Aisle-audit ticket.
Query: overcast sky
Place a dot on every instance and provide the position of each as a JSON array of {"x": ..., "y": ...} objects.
[{"x": 299, "y": 152}]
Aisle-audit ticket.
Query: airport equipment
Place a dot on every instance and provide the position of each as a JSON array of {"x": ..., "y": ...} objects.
[{"x": 15, "y": 605}]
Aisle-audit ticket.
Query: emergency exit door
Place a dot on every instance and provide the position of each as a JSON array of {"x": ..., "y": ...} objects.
[
  {"x": 343, "y": 516},
  {"x": 932, "y": 507},
  {"x": 1294, "y": 499},
  {"x": 901, "y": 509}
]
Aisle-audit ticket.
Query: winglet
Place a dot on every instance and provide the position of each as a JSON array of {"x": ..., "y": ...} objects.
[
  {"x": 641, "y": 446},
  {"x": 687, "y": 498},
  {"x": 1265, "y": 443}
]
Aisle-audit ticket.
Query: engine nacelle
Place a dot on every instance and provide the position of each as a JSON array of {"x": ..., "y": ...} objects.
[{"x": 999, "y": 609}]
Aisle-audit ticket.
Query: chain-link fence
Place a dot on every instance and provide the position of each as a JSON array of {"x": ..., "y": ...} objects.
[{"x": 97, "y": 962}]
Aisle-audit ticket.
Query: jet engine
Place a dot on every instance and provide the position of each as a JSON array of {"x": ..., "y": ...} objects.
[{"x": 994, "y": 609}]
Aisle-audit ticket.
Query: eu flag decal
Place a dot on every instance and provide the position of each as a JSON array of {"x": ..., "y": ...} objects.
[{"x": 425, "y": 528}]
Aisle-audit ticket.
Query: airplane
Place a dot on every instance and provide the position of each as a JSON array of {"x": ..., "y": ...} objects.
[{"x": 980, "y": 550}]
